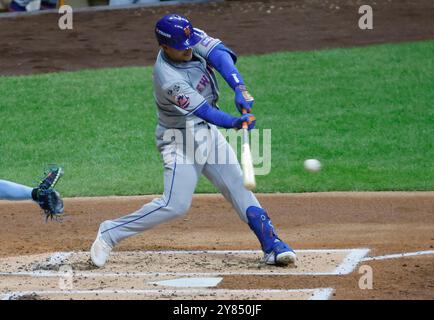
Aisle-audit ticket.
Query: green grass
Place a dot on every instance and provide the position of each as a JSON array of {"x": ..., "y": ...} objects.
[{"x": 366, "y": 113}]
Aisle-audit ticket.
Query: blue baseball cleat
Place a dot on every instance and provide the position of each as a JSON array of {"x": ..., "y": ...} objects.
[{"x": 281, "y": 254}]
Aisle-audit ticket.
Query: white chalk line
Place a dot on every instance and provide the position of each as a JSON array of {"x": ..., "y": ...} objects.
[
  {"x": 55, "y": 274},
  {"x": 62, "y": 255},
  {"x": 351, "y": 261},
  {"x": 227, "y": 251},
  {"x": 398, "y": 255},
  {"x": 346, "y": 267},
  {"x": 317, "y": 294},
  {"x": 322, "y": 294}
]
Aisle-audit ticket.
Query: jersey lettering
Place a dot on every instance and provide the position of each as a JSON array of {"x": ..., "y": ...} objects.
[
  {"x": 204, "y": 81},
  {"x": 206, "y": 41}
]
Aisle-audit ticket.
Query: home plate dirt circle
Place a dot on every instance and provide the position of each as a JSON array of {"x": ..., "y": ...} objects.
[{"x": 164, "y": 274}]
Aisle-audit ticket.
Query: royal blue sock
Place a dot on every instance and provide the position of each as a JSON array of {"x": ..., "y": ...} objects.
[{"x": 261, "y": 225}]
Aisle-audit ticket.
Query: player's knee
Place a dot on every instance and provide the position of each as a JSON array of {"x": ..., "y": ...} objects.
[
  {"x": 104, "y": 226},
  {"x": 181, "y": 208},
  {"x": 179, "y": 203}
]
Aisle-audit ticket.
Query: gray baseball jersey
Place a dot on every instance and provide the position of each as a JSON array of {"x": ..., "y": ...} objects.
[{"x": 182, "y": 87}]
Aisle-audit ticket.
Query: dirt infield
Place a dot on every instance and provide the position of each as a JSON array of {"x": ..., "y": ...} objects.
[
  {"x": 386, "y": 223},
  {"x": 35, "y": 44}
]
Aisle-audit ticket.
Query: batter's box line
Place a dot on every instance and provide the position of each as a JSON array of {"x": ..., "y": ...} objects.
[
  {"x": 347, "y": 266},
  {"x": 316, "y": 294}
]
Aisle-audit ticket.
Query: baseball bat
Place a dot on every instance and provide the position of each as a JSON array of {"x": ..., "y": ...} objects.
[{"x": 246, "y": 160}]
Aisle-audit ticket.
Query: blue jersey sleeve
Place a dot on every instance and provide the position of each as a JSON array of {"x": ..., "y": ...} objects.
[
  {"x": 223, "y": 60},
  {"x": 215, "y": 116}
]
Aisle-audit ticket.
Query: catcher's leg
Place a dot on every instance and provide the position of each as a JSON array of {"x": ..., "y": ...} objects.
[{"x": 228, "y": 178}]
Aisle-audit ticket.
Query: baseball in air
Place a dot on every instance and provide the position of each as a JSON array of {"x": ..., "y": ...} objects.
[{"x": 312, "y": 165}]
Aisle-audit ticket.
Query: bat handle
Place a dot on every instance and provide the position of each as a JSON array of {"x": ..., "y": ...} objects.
[{"x": 245, "y": 125}]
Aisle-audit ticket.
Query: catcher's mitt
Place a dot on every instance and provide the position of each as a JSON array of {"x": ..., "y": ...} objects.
[
  {"x": 46, "y": 196},
  {"x": 50, "y": 201}
]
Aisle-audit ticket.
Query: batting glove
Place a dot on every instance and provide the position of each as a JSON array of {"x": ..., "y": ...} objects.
[
  {"x": 243, "y": 99},
  {"x": 249, "y": 118}
]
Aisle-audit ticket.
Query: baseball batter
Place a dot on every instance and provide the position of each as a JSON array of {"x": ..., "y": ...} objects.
[{"x": 186, "y": 94}]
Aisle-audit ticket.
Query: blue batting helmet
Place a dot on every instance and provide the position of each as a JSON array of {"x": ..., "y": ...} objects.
[{"x": 176, "y": 32}]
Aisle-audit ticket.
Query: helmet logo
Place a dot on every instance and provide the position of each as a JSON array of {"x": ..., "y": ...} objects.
[
  {"x": 163, "y": 33},
  {"x": 187, "y": 31}
]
